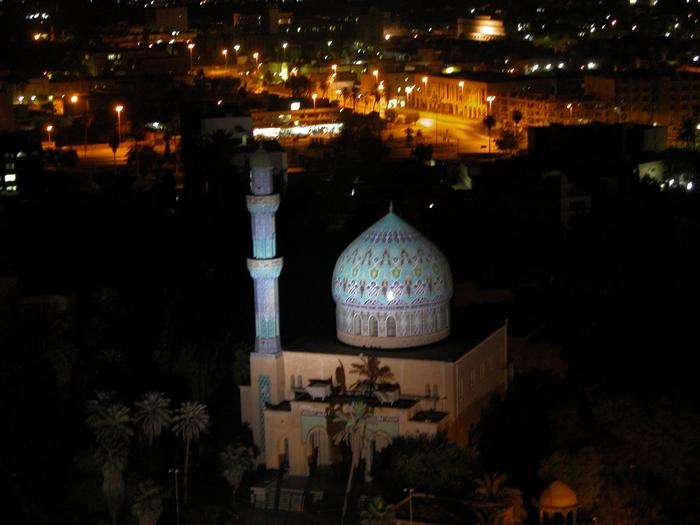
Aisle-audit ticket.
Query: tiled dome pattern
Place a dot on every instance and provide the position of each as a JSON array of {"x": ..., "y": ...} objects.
[{"x": 391, "y": 263}]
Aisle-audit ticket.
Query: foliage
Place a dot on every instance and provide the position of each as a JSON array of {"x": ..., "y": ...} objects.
[
  {"x": 687, "y": 133},
  {"x": 516, "y": 117},
  {"x": 582, "y": 471},
  {"x": 236, "y": 460},
  {"x": 299, "y": 85},
  {"x": 153, "y": 415},
  {"x": 374, "y": 373},
  {"x": 147, "y": 503},
  {"x": 431, "y": 464},
  {"x": 422, "y": 152},
  {"x": 109, "y": 418},
  {"x": 391, "y": 114},
  {"x": 508, "y": 141},
  {"x": 377, "y": 512},
  {"x": 61, "y": 157},
  {"x": 411, "y": 117},
  {"x": 493, "y": 500},
  {"x": 190, "y": 420}
]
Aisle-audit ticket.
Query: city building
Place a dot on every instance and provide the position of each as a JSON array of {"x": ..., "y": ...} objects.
[{"x": 392, "y": 288}]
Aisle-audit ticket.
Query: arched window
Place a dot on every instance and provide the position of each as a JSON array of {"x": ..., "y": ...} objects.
[
  {"x": 391, "y": 327},
  {"x": 435, "y": 391},
  {"x": 299, "y": 383},
  {"x": 292, "y": 383},
  {"x": 373, "y": 326},
  {"x": 358, "y": 325},
  {"x": 427, "y": 390},
  {"x": 440, "y": 319}
]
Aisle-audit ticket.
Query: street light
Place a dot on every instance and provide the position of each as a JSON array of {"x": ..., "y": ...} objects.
[
  {"x": 190, "y": 47},
  {"x": 236, "y": 47},
  {"x": 48, "y": 130},
  {"x": 177, "y": 498},
  {"x": 255, "y": 56},
  {"x": 284, "y": 51},
  {"x": 490, "y": 99},
  {"x": 376, "y": 76},
  {"x": 225, "y": 53},
  {"x": 410, "y": 504},
  {"x": 119, "y": 122},
  {"x": 408, "y": 93},
  {"x": 571, "y": 110},
  {"x": 314, "y": 97}
]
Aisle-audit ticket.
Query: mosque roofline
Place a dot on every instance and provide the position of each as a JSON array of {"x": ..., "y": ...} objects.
[{"x": 461, "y": 340}]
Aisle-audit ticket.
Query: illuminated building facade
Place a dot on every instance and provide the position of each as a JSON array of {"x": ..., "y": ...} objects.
[
  {"x": 392, "y": 289},
  {"x": 481, "y": 28}
]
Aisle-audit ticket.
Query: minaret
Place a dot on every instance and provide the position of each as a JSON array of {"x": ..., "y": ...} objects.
[{"x": 266, "y": 363}]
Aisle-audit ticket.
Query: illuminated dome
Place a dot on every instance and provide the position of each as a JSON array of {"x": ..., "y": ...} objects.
[
  {"x": 392, "y": 288},
  {"x": 558, "y": 497}
]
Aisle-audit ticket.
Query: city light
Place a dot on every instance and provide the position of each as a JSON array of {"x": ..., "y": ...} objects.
[
  {"x": 225, "y": 53},
  {"x": 190, "y": 47},
  {"x": 48, "y": 130},
  {"x": 118, "y": 109}
]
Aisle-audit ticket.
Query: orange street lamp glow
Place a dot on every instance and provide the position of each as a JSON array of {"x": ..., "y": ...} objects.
[
  {"x": 225, "y": 53},
  {"x": 490, "y": 100},
  {"x": 48, "y": 130},
  {"x": 118, "y": 109},
  {"x": 314, "y": 97},
  {"x": 190, "y": 47}
]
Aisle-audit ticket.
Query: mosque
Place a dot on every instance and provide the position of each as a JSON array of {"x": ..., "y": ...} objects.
[{"x": 396, "y": 350}]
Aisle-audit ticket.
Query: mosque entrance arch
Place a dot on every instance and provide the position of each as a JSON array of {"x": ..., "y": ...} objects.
[{"x": 318, "y": 448}]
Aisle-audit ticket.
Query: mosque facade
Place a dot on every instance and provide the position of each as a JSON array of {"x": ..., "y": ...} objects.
[{"x": 395, "y": 349}]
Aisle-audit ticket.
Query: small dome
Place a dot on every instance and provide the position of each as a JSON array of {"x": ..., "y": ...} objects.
[
  {"x": 557, "y": 496},
  {"x": 261, "y": 159},
  {"x": 392, "y": 288}
]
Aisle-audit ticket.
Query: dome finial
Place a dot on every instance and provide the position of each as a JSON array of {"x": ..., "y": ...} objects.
[{"x": 391, "y": 206}]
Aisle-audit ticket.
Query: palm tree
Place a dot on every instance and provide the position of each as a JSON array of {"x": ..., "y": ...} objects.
[
  {"x": 375, "y": 373},
  {"x": 355, "y": 92},
  {"x": 153, "y": 415},
  {"x": 516, "y": 117},
  {"x": 354, "y": 434},
  {"x": 148, "y": 503},
  {"x": 112, "y": 460},
  {"x": 236, "y": 460},
  {"x": 489, "y": 122},
  {"x": 190, "y": 420},
  {"x": 377, "y": 512},
  {"x": 112, "y": 424},
  {"x": 687, "y": 132},
  {"x": 493, "y": 500},
  {"x": 109, "y": 418}
]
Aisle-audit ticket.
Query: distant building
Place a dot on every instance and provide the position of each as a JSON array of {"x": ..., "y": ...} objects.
[
  {"x": 21, "y": 163},
  {"x": 168, "y": 19},
  {"x": 7, "y": 112},
  {"x": 647, "y": 97},
  {"x": 481, "y": 28}
]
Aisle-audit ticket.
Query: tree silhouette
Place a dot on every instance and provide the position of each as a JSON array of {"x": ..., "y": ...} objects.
[
  {"x": 489, "y": 123},
  {"x": 377, "y": 512},
  {"x": 236, "y": 460},
  {"x": 299, "y": 85},
  {"x": 153, "y": 415},
  {"x": 147, "y": 505},
  {"x": 354, "y": 433},
  {"x": 190, "y": 420},
  {"x": 687, "y": 133},
  {"x": 493, "y": 499},
  {"x": 516, "y": 117},
  {"x": 374, "y": 373}
]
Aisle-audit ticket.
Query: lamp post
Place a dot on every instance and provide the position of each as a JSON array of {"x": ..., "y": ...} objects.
[
  {"x": 255, "y": 56},
  {"x": 570, "y": 107},
  {"x": 284, "y": 51},
  {"x": 434, "y": 100},
  {"x": 314, "y": 97},
  {"x": 190, "y": 47},
  {"x": 490, "y": 100},
  {"x": 425, "y": 83},
  {"x": 225, "y": 53},
  {"x": 48, "y": 130},
  {"x": 118, "y": 109},
  {"x": 236, "y": 48},
  {"x": 177, "y": 498},
  {"x": 410, "y": 504},
  {"x": 376, "y": 76},
  {"x": 408, "y": 93}
]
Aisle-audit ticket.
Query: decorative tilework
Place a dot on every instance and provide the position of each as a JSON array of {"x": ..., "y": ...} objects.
[{"x": 264, "y": 398}]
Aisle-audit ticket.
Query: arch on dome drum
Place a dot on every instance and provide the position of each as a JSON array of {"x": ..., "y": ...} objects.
[
  {"x": 357, "y": 325},
  {"x": 440, "y": 319},
  {"x": 318, "y": 448},
  {"x": 373, "y": 327},
  {"x": 390, "y": 327}
]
